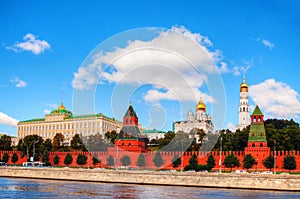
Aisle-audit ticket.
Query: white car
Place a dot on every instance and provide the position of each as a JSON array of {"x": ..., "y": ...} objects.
[
  {"x": 267, "y": 172},
  {"x": 241, "y": 171}
]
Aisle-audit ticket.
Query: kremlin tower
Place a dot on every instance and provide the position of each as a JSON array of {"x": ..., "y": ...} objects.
[
  {"x": 244, "y": 107},
  {"x": 257, "y": 141},
  {"x": 129, "y": 138}
]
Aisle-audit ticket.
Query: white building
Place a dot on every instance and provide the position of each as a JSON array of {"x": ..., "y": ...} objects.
[
  {"x": 62, "y": 121},
  {"x": 153, "y": 134},
  {"x": 200, "y": 120},
  {"x": 244, "y": 107}
]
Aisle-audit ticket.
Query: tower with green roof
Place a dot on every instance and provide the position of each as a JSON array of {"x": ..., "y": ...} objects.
[{"x": 257, "y": 141}]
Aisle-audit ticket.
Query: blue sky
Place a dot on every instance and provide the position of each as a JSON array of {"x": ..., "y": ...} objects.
[{"x": 43, "y": 44}]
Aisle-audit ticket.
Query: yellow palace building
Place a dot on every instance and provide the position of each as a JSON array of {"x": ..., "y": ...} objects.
[{"x": 62, "y": 121}]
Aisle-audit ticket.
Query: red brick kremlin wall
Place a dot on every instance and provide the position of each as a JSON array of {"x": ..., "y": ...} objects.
[{"x": 167, "y": 157}]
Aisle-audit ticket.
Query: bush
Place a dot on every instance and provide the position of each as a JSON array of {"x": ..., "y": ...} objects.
[{"x": 68, "y": 159}]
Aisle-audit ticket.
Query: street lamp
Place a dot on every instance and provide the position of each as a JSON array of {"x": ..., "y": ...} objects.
[
  {"x": 220, "y": 160},
  {"x": 274, "y": 157},
  {"x": 181, "y": 157},
  {"x": 27, "y": 151}
]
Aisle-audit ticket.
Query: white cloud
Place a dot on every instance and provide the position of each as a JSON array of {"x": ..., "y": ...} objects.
[
  {"x": 7, "y": 120},
  {"x": 266, "y": 43},
  {"x": 30, "y": 43},
  {"x": 231, "y": 127},
  {"x": 238, "y": 70},
  {"x": 47, "y": 111},
  {"x": 176, "y": 60},
  {"x": 276, "y": 99},
  {"x": 49, "y": 105},
  {"x": 224, "y": 68},
  {"x": 18, "y": 82}
]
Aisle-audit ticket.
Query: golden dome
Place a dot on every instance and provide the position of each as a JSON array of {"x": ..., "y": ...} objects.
[
  {"x": 61, "y": 107},
  {"x": 201, "y": 105},
  {"x": 244, "y": 86}
]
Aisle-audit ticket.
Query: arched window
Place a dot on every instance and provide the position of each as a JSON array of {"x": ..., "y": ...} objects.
[
  {"x": 254, "y": 119},
  {"x": 259, "y": 119},
  {"x": 253, "y": 145},
  {"x": 261, "y": 145},
  {"x": 243, "y": 108}
]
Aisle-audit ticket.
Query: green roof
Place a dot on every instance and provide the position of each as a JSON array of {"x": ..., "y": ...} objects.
[
  {"x": 257, "y": 131},
  {"x": 152, "y": 131},
  {"x": 34, "y": 120},
  {"x": 257, "y": 111}
]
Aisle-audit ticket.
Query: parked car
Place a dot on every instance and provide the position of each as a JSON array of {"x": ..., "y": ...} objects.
[
  {"x": 241, "y": 171},
  {"x": 255, "y": 172},
  {"x": 203, "y": 171},
  {"x": 2, "y": 163},
  {"x": 267, "y": 172},
  {"x": 284, "y": 173}
]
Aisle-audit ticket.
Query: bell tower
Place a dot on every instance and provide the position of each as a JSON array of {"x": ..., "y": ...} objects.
[{"x": 244, "y": 107}]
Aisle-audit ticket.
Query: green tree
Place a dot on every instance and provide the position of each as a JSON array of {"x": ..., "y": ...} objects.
[
  {"x": 58, "y": 141},
  {"x": 32, "y": 144},
  {"x": 158, "y": 161},
  {"x": 45, "y": 158},
  {"x": 269, "y": 162},
  {"x": 5, "y": 143},
  {"x": 176, "y": 161},
  {"x": 125, "y": 160},
  {"x": 248, "y": 161},
  {"x": 289, "y": 163},
  {"x": 111, "y": 137},
  {"x": 5, "y": 157},
  {"x": 14, "y": 158},
  {"x": 56, "y": 159},
  {"x": 231, "y": 161},
  {"x": 141, "y": 160},
  {"x": 210, "y": 163},
  {"x": 95, "y": 160},
  {"x": 193, "y": 163},
  {"x": 168, "y": 137},
  {"x": 47, "y": 145},
  {"x": 68, "y": 159},
  {"x": 76, "y": 143},
  {"x": 110, "y": 161},
  {"x": 81, "y": 159}
]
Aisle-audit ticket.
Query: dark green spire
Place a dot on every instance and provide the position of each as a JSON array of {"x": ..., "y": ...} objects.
[
  {"x": 257, "y": 129},
  {"x": 257, "y": 111}
]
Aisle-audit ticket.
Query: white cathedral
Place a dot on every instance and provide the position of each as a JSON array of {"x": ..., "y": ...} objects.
[
  {"x": 199, "y": 120},
  {"x": 244, "y": 107}
]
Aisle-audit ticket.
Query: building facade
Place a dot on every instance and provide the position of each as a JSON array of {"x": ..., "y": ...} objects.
[
  {"x": 62, "y": 121},
  {"x": 200, "y": 120},
  {"x": 153, "y": 134},
  {"x": 244, "y": 107}
]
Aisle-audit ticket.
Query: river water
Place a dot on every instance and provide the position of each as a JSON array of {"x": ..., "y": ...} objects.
[{"x": 31, "y": 188}]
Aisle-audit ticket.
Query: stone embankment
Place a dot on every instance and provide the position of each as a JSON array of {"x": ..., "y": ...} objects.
[{"x": 213, "y": 180}]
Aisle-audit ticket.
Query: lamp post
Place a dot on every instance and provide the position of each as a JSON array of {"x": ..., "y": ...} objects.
[
  {"x": 274, "y": 157},
  {"x": 27, "y": 151},
  {"x": 220, "y": 160},
  {"x": 181, "y": 157},
  {"x": 117, "y": 157}
]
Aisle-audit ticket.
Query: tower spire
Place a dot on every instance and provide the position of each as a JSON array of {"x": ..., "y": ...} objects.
[{"x": 244, "y": 107}]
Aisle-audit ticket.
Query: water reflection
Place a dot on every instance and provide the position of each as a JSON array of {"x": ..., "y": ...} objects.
[{"x": 26, "y": 188}]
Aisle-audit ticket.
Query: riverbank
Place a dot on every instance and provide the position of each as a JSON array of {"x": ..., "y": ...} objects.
[{"x": 190, "y": 179}]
